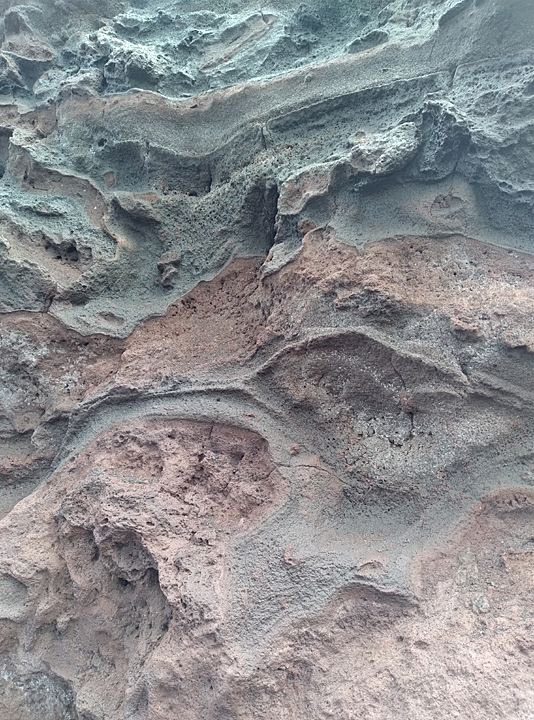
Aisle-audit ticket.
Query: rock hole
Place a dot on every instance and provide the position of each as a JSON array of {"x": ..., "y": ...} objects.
[{"x": 71, "y": 253}]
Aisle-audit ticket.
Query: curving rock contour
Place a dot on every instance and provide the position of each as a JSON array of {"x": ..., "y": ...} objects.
[{"x": 267, "y": 360}]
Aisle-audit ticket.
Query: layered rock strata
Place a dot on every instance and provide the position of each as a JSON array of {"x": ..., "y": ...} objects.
[{"x": 267, "y": 360}]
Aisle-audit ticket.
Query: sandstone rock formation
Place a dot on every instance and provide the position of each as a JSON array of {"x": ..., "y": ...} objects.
[{"x": 267, "y": 360}]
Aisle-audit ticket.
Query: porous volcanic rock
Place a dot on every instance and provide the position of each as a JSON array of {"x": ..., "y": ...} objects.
[{"x": 267, "y": 360}]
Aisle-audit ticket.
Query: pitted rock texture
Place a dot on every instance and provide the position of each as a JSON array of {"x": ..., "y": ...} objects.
[{"x": 266, "y": 360}]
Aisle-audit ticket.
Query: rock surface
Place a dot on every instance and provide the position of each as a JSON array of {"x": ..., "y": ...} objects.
[{"x": 267, "y": 360}]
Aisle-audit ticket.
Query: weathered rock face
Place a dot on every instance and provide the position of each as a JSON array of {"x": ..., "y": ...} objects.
[{"x": 267, "y": 360}]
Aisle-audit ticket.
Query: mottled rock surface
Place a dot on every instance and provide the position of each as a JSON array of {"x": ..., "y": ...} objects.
[{"x": 267, "y": 360}]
